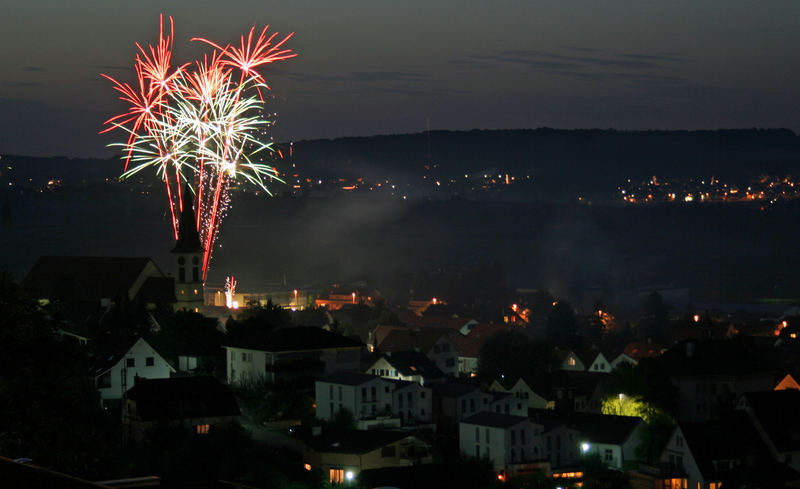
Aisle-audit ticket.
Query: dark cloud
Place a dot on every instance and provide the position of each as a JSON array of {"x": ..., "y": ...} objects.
[
  {"x": 18, "y": 84},
  {"x": 656, "y": 57},
  {"x": 115, "y": 68},
  {"x": 584, "y": 49},
  {"x": 360, "y": 77},
  {"x": 33, "y": 68}
]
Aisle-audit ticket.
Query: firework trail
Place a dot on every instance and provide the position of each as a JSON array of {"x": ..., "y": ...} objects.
[{"x": 197, "y": 123}]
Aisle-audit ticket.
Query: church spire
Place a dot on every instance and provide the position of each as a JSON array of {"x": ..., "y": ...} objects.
[{"x": 188, "y": 237}]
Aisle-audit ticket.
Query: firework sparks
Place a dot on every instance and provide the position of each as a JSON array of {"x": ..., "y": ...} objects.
[
  {"x": 230, "y": 290},
  {"x": 197, "y": 123}
]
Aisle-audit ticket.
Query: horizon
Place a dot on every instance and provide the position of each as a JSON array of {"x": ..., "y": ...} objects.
[{"x": 532, "y": 129}]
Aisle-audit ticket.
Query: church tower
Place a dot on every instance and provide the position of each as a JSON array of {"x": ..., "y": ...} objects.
[{"x": 188, "y": 254}]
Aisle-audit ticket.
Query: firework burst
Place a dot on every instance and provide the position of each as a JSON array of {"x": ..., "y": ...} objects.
[{"x": 197, "y": 123}]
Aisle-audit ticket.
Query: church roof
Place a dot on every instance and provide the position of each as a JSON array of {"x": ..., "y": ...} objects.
[
  {"x": 188, "y": 237},
  {"x": 84, "y": 278}
]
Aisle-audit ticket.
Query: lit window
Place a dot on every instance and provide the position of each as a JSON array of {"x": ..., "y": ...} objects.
[
  {"x": 571, "y": 361},
  {"x": 196, "y": 292},
  {"x": 307, "y": 466},
  {"x": 336, "y": 476},
  {"x": 202, "y": 429}
]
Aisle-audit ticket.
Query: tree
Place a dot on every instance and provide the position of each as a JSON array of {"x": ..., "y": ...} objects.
[
  {"x": 655, "y": 323},
  {"x": 259, "y": 319},
  {"x": 562, "y": 328},
  {"x": 51, "y": 409}
]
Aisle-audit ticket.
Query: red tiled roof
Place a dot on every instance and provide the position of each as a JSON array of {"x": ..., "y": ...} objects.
[{"x": 638, "y": 350}]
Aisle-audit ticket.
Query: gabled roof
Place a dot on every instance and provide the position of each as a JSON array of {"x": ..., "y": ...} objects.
[
  {"x": 487, "y": 330},
  {"x": 84, "y": 278},
  {"x": 298, "y": 338},
  {"x": 495, "y": 420},
  {"x": 159, "y": 290},
  {"x": 596, "y": 428},
  {"x": 588, "y": 356},
  {"x": 411, "y": 363},
  {"x": 422, "y": 339},
  {"x": 109, "y": 353},
  {"x": 733, "y": 437},
  {"x": 467, "y": 346},
  {"x": 639, "y": 350},
  {"x": 348, "y": 378},
  {"x": 776, "y": 412},
  {"x": 449, "y": 322},
  {"x": 182, "y": 398},
  {"x": 356, "y": 441}
]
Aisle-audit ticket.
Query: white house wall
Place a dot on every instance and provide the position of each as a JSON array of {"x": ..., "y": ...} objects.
[{"x": 139, "y": 353}]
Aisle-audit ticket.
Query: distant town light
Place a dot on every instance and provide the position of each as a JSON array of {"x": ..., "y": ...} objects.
[{"x": 696, "y": 318}]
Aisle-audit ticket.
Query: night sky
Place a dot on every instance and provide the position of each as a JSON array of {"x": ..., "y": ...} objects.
[{"x": 380, "y": 67}]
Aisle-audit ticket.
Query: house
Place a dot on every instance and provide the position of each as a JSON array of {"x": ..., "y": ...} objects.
[
  {"x": 435, "y": 343},
  {"x": 117, "y": 364},
  {"x": 468, "y": 349},
  {"x": 341, "y": 456},
  {"x": 773, "y": 414},
  {"x": 569, "y": 360},
  {"x": 710, "y": 374},
  {"x": 452, "y": 323},
  {"x": 560, "y": 445},
  {"x": 503, "y": 438},
  {"x": 523, "y": 390},
  {"x": 469, "y": 346},
  {"x": 595, "y": 361},
  {"x": 367, "y": 397},
  {"x": 98, "y": 281},
  {"x": 412, "y": 403},
  {"x": 290, "y": 354},
  {"x": 410, "y": 366},
  {"x": 200, "y": 405},
  {"x": 613, "y": 438},
  {"x": 506, "y": 403},
  {"x": 622, "y": 359},
  {"x": 341, "y": 297},
  {"x": 453, "y": 402}
]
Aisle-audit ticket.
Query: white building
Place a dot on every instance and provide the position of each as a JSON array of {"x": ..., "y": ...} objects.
[
  {"x": 290, "y": 354},
  {"x": 503, "y": 438},
  {"x": 115, "y": 369},
  {"x": 412, "y": 403},
  {"x": 522, "y": 390},
  {"x": 364, "y": 396},
  {"x": 410, "y": 366}
]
